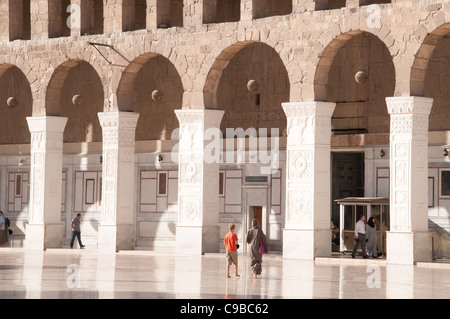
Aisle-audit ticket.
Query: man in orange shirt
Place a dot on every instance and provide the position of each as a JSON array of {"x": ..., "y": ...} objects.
[{"x": 231, "y": 245}]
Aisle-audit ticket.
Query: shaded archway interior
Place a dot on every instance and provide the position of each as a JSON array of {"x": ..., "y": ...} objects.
[
  {"x": 73, "y": 78},
  {"x": 227, "y": 88},
  {"x": 13, "y": 123},
  {"x": 145, "y": 75},
  {"x": 360, "y": 105},
  {"x": 437, "y": 78}
]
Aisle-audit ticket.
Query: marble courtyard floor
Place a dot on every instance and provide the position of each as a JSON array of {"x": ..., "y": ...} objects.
[{"x": 72, "y": 274}]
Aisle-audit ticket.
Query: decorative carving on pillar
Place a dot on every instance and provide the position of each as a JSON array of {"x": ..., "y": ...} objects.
[
  {"x": 198, "y": 204},
  {"x": 300, "y": 165},
  {"x": 45, "y": 182},
  {"x": 191, "y": 169},
  {"x": 305, "y": 121},
  {"x": 191, "y": 211},
  {"x": 309, "y": 132},
  {"x": 36, "y": 213},
  {"x": 300, "y": 208},
  {"x": 118, "y": 154},
  {"x": 409, "y": 140}
]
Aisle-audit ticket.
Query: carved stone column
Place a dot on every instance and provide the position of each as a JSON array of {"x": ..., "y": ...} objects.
[
  {"x": 45, "y": 229},
  {"x": 117, "y": 229},
  {"x": 198, "y": 190},
  {"x": 408, "y": 240},
  {"x": 307, "y": 228}
]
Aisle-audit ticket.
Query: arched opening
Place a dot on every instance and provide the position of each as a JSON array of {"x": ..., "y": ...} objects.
[
  {"x": 15, "y": 104},
  {"x": 75, "y": 91},
  {"x": 356, "y": 72},
  {"x": 249, "y": 82},
  {"x": 430, "y": 75},
  {"x": 436, "y": 85},
  {"x": 151, "y": 86}
]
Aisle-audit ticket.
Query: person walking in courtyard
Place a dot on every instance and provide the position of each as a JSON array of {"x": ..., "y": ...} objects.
[
  {"x": 3, "y": 230},
  {"x": 360, "y": 236},
  {"x": 231, "y": 244},
  {"x": 371, "y": 232},
  {"x": 76, "y": 231},
  {"x": 258, "y": 246}
]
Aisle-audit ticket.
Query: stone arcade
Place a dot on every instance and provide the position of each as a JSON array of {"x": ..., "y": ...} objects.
[{"x": 93, "y": 94}]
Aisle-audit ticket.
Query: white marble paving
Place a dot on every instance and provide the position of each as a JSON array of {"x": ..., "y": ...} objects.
[{"x": 65, "y": 273}]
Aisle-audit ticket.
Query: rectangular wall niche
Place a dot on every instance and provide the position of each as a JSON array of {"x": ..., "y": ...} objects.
[
  {"x": 19, "y": 20},
  {"x": 337, "y": 4},
  {"x": 169, "y": 13},
  {"x": 91, "y": 17},
  {"x": 269, "y": 8}
]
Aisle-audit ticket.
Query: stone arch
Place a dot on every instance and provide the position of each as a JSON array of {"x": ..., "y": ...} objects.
[
  {"x": 77, "y": 51},
  {"x": 146, "y": 74},
  {"x": 28, "y": 72},
  {"x": 360, "y": 106},
  {"x": 70, "y": 79},
  {"x": 423, "y": 57},
  {"x": 430, "y": 74},
  {"x": 13, "y": 123},
  {"x": 338, "y": 31},
  {"x": 226, "y": 86}
]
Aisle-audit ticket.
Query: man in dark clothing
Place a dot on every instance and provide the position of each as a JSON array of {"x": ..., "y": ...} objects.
[{"x": 75, "y": 224}]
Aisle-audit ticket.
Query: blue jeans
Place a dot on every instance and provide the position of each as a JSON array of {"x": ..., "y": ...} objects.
[{"x": 78, "y": 235}]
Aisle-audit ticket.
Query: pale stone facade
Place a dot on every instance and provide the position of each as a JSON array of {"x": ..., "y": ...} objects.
[{"x": 123, "y": 75}]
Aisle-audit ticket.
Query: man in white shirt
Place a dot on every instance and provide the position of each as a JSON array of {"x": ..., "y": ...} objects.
[{"x": 360, "y": 237}]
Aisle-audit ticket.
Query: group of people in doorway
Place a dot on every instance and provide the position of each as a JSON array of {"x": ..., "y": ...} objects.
[
  {"x": 366, "y": 237},
  {"x": 258, "y": 247}
]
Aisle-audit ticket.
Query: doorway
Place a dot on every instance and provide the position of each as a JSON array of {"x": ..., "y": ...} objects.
[
  {"x": 257, "y": 214},
  {"x": 347, "y": 179},
  {"x": 256, "y": 203}
]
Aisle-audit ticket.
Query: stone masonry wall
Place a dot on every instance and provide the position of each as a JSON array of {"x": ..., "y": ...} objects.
[{"x": 306, "y": 40}]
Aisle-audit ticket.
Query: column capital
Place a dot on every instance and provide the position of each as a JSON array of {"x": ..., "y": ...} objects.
[
  {"x": 118, "y": 119},
  {"x": 199, "y": 116},
  {"x": 308, "y": 123},
  {"x": 54, "y": 124},
  {"x": 409, "y": 105},
  {"x": 308, "y": 108}
]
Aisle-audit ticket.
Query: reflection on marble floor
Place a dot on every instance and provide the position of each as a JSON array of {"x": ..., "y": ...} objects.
[{"x": 65, "y": 274}]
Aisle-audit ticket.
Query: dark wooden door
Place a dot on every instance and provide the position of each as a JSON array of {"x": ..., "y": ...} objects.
[
  {"x": 347, "y": 179},
  {"x": 257, "y": 214}
]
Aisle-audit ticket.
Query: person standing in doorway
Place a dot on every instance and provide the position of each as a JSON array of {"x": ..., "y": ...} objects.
[
  {"x": 231, "y": 244},
  {"x": 360, "y": 236},
  {"x": 76, "y": 231},
  {"x": 371, "y": 232}
]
